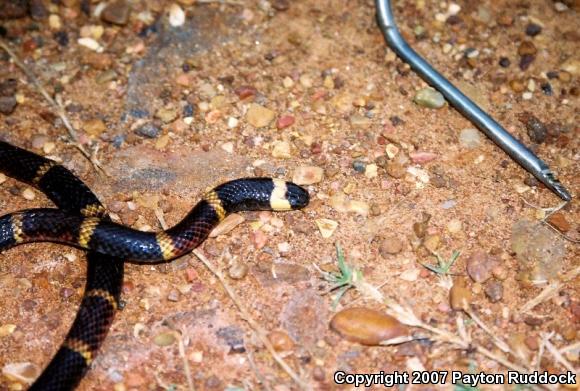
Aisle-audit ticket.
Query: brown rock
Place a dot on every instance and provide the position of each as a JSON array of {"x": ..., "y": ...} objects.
[
  {"x": 13, "y": 9},
  {"x": 117, "y": 12},
  {"x": 494, "y": 291},
  {"x": 480, "y": 266},
  {"x": 281, "y": 341},
  {"x": 390, "y": 245},
  {"x": 7, "y": 104},
  {"x": 459, "y": 295},
  {"x": 396, "y": 170},
  {"x": 527, "y": 48},
  {"x": 94, "y": 127},
  {"x": 100, "y": 61},
  {"x": 559, "y": 221},
  {"x": 366, "y": 326}
]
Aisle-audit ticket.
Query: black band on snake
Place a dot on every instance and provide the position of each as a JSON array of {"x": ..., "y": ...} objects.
[
  {"x": 100, "y": 235},
  {"x": 104, "y": 273}
]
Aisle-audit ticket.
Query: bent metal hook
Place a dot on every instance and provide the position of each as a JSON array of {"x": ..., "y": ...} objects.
[{"x": 515, "y": 149}]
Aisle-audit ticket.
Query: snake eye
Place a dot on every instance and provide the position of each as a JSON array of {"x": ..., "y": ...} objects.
[{"x": 297, "y": 196}]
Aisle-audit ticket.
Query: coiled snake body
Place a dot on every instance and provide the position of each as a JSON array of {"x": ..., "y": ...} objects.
[{"x": 82, "y": 222}]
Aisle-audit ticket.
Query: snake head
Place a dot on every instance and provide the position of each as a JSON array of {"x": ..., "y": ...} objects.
[{"x": 297, "y": 196}]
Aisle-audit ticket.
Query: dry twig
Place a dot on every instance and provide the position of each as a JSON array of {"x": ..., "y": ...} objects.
[
  {"x": 56, "y": 106},
  {"x": 256, "y": 328}
]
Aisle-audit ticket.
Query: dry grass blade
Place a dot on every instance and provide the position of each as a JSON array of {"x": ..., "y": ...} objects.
[
  {"x": 186, "y": 367},
  {"x": 550, "y": 291},
  {"x": 496, "y": 340},
  {"x": 555, "y": 352},
  {"x": 56, "y": 106},
  {"x": 256, "y": 328}
]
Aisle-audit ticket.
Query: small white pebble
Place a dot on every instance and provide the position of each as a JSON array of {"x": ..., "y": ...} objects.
[
  {"x": 228, "y": 147},
  {"x": 288, "y": 82},
  {"x": 531, "y": 85},
  {"x": 28, "y": 194},
  {"x": 284, "y": 247},
  {"x": 131, "y": 205},
  {"x": 232, "y": 122},
  {"x": 527, "y": 95},
  {"x": 176, "y": 15},
  {"x": 48, "y": 147},
  {"x": 440, "y": 17},
  {"x": 560, "y": 7},
  {"x": 54, "y": 22},
  {"x": 454, "y": 9},
  {"x": 90, "y": 44}
]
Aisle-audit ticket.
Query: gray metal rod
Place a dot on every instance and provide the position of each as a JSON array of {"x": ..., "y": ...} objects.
[{"x": 515, "y": 149}]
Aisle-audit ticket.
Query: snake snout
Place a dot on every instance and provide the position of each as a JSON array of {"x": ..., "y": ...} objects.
[{"x": 297, "y": 196}]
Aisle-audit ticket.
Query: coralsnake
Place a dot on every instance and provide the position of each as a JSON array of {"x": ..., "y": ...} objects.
[{"x": 82, "y": 222}]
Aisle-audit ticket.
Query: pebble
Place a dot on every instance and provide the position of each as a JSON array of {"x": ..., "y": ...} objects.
[
  {"x": 538, "y": 249},
  {"x": 173, "y": 295},
  {"x": 326, "y": 227},
  {"x": 282, "y": 150},
  {"x": 28, "y": 194},
  {"x": 431, "y": 242},
  {"x": 149, "y": 130},
  {"x": 396, "y": 170},
  {"x": 391, "y": 150},
  {"x": 494, "y": 291},
  {"x": 94, "y": 127},
  {"x": 38, "y": 10},
  {"x": 504, "y": 62},
  {"x": 470, "y": 138},
  {"x": 421, "y": 157},
  {"x": 421, "y": 175},
  {"x": 390, "y": 245},
  {"x": 371, "y": 171},
  {"x": 229, "y": 223},
  {"x": 116, "y": 12},
  {"x": 259, "y": 239},
  {"x": 281, "y": 341},
  {"x": 2, "y": 178},
  {"x": 459, "y": 295},
  {"x": 7, "y": 329},
  {"x": 259, "y": 116},
  {"x": 106, "y": 76},
  {"x": 7, "y": 104},
  {"x": 535, "y": 128},
  {"x": 517, "y": 85},
  {"x": 307, "y": 175},
  {"x": 285, "y": 121},
  {"x": 54, "y": 22},
  {"x": 25, "y": 372},
  {"x": 527, "y": 48},
  {"x": 360, "y": 121},
  {"x": 480, "y": 265},
  {"x": 359, "y": 166},
  {"x": 428, "y": 97},
  {"x": 559, "y": 221},
  {"x": 238, "y": 270},
  {"x": 358, "y": 207},
  {"x": 176, "y": 15},
  {"x": 228, "y": 147},
  {"x": 420, "y": 227},
  {"x": 454, "y": 226},
  {"x": 164, "y": 339},
  {"x": 166, "y": 114},
  {"x": 244, "y": 92},
  {"x": 533, "y": 29},
  {"x": 366, "y": 326},
  {"x": 90, "y": 43}
]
